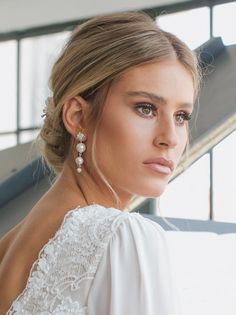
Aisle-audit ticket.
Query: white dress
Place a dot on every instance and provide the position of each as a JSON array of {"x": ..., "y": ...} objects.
[{"x": 101, "y": 261}]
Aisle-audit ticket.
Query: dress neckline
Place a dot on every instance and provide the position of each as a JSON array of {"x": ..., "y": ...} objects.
[{"x": 76, "y": 209}]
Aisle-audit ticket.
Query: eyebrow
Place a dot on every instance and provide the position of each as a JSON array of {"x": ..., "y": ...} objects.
[{"x": 155, "y": 98}]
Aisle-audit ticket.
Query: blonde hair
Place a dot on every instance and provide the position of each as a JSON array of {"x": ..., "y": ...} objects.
[{"x": 96, "y": 54}]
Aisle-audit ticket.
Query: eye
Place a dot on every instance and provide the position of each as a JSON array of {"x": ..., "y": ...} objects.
[
  {"x": 147, "y": 110},
  {"x": 182, "y": 117}
]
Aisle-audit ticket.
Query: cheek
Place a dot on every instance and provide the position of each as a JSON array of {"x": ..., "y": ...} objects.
[
  {"x": 115, "y": 135},
  {"x": 118, "y": 140}
]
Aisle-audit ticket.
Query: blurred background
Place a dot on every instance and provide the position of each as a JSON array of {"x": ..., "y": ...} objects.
[{"x": 32, "y": 34}]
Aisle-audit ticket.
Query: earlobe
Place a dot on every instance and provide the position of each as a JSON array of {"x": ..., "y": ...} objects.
[{"x": 74, "y": 114}]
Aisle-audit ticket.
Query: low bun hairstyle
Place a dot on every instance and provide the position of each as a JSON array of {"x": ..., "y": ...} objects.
[{"x": 97, "y": 53}]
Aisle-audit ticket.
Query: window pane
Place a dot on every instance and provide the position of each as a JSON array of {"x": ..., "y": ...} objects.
[
  {"x": 186, "y": 25},
  {"x": 187, "y": 196},
  {"x": 37, "y": 57},
  {"x": 26, "y": 136},
  {"x": 8, "y": 85},
  {"x": 224, "y": 178},
  {"x": 7, "y": 141},
  {"x": 224, "y": 22}
]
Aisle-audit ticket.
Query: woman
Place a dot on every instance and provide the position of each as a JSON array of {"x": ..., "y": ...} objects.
[{"x": 115, "y": 127}]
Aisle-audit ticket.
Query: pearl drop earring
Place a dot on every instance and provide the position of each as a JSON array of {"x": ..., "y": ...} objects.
[{"x": 80, "y": 148}]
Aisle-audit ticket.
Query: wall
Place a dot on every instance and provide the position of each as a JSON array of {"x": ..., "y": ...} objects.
[
  {"x": 18, "y": 15},
  {"x": 9, "y": 164},
  {"x": 15, "y": 210}
]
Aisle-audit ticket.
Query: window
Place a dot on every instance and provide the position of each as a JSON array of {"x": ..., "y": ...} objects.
[
  {"x": 29, "y": 135},
  {"x": 224, "y": 179},
  {"x": 224, "y": 22},
  {"x": 192, "y": 26},
  {"x": 37, "y": 57},
  {"x": 7, "y": 141},
  {"x": 187, "y": 196},
  {"x": 8, "y": 59}
]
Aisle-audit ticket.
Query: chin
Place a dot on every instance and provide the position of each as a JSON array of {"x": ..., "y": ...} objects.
[{"x": 152, "y": 192}]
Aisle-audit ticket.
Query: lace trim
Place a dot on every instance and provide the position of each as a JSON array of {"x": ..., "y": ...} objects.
[{"x": 67, "y": 259}]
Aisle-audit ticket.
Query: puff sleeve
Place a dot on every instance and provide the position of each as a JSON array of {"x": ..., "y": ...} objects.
[{"x": 134, "y": 275}]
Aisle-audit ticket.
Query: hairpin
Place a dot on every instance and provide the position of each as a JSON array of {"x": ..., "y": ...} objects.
[
  {"x": 47, "y": 101},
  {"x": 44, "y": 112}
]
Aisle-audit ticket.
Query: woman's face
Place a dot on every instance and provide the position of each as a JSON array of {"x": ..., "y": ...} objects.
[{"x": 145, "y": 117}]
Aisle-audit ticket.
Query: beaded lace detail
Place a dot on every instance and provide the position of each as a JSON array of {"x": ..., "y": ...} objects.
[{"x": 69, "y": 258}]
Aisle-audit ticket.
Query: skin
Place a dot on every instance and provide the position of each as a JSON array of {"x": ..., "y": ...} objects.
[{"x": 127, "y": 136}]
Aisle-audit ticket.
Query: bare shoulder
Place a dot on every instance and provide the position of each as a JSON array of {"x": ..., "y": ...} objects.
[
  {"x": 20, "y": 248},
  {"x": 35, "y": 229},
  {"x": 8, "y": 238},
  {"x": 34, "y": 221}
]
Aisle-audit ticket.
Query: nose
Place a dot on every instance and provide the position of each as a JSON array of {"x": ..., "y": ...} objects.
[{"x": 166, "y": 133}]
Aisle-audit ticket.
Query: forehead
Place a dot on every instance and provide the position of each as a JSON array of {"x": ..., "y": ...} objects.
[{"x": 168, "y": 78}]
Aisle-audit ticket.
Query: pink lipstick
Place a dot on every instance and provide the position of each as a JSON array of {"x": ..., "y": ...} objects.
[{"x": 160, "y": 165}]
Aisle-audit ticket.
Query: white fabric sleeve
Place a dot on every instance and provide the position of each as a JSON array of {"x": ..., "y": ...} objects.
[{"x": 133, "y": 276}]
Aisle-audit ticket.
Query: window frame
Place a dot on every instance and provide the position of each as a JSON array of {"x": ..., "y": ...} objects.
[{"x": 69, "y": 26}]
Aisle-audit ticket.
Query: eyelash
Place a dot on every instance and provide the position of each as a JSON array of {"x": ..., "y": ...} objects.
[{"x": 186, "y": 116}]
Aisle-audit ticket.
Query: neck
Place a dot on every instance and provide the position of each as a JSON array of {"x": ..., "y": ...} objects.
[{"x": 83, "y": 189}]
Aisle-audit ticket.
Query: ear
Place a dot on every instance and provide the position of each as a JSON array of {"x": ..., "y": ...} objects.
[{"x": 75, "y": 114}]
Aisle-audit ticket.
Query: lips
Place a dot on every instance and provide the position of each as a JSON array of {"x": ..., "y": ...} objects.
[{"x": 161, "y": 161}]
